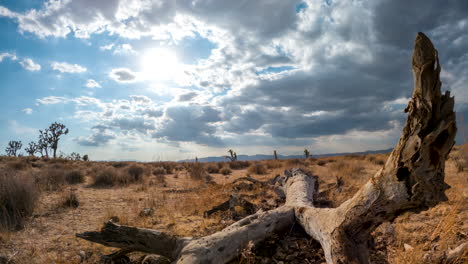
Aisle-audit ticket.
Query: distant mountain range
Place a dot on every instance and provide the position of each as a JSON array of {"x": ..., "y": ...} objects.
[{"x": 269, "y": 157}]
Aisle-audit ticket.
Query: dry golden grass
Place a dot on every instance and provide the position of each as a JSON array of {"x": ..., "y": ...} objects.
[{"x": 178, "y": 200}]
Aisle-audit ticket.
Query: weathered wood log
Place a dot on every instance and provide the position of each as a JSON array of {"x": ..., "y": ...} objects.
[{"x": 411, "y": 179}]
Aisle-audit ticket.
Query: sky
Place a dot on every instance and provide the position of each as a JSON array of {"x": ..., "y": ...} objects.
[{"x": 156, "y": 80}]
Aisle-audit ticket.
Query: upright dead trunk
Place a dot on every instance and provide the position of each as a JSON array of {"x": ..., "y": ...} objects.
[{"x": 411, "y": 179}]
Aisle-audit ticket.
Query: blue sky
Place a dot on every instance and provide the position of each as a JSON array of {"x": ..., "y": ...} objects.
[{"x": 167, "y": 80}]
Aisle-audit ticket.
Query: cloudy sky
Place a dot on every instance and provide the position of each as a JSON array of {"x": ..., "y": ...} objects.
[{"x": 169, "y": 80}]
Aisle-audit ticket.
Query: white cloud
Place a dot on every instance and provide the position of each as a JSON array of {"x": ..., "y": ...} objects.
[
  {"x": 52, "y": 100},
  {"x": 30, "y": 65},
  {"x": 90, "y": 83},
  {"x": 7, "y": 55},
  {"x": 124, "y": 49},
  {"x": 123, "y": 75},
  {"x": 106, "y": 47},
  {"x": 27, "y": 111},
  {"x": 67, "y": 67}
]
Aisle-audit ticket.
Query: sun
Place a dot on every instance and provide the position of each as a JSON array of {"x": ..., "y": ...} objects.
[{"x": 160, "y": 64}]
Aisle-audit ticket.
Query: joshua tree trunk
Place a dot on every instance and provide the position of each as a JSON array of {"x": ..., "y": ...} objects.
[{"x": 411, "y": 179}]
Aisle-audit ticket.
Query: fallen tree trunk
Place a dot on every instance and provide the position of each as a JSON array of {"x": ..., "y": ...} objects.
[{"x": 411, "y": 179}]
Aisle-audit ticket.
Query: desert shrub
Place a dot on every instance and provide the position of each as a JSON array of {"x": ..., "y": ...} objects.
[
  {"x": 136, "y": 173},
  {"x": 70, "y": 199},
  {"x": 208, "y": 179},
  {"x": 179, "y": 167},
  {"x": 58, "y": 161},
  {"x": 168, "y": 166},
  {"x": 18, "y": 196},
  {"x": 212, "y": 168},
  {"x": 52, "y": 178},
  {"x": 119, "y": 164},
  {"x": 225, "y": 171},
  {"x": 375, "y": 160},
  {"x": 18, "y": 164},
  {"x": 220, "y": 164},
  {"x": 294, "y": 162},
  {"x": 273, "y": 164},
  {"x": 257, "y": 168},
  {"x": 159, "y": 171},
  {"x": 37, "y": 164},
  {"x": 321, "y": 162},
  {"x": 355, "y": 156},
  {"x": 197, "y": 171},
  {"x": 238, "y": 165},
  {"x": 105, "y": 178},
  {"x": 74, "y": 177},
  {"x": 347, "y": 169}
]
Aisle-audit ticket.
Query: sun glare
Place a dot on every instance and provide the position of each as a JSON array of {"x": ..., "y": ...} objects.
[{"x": 159, "y": 64}]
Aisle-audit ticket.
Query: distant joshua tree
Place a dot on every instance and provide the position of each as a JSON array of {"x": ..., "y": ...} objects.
[
  {"x": 275, "y": 154},
  {"x": 50, "y": 137},
  {"x": 306, "y": 153},
  {"x": 32, "y": 148},
  {"x": 13, "y": 148},
  {"x": 85, "y": 157},
  {"x": 233, "y": 155},
  {"x": 42, "y": 144},
  {"x": 75, "y": 156}
]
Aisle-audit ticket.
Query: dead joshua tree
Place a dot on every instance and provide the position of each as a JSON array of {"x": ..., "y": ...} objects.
[
  {"x": 275, "y": 154},
  {"x": 411, "y": 179},
  {"x": 233, "y": 155}
]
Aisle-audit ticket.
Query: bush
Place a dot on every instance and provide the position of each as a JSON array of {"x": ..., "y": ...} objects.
[
  {"x": 17, "y": 164},
  {"x": 70, "y": 199},
  {"x": 197, "y": 171},
  {"x": 257, "y": 168},
  {"x": 52, "y": 178},
  {"x": 136, "y": 173},
  {"x": 225, "y": 171},
  {"x": 238, "y": 165},
  {"x": 212, "y": 168},
  {"x": 107, "y": 177},
  {"x": 74, "y": 177},
  {"x": 158, "y": 171},
  {"x": 119, "y": 164},
  {"x": 274, "y": 164},
  {"x": 321, "y": 162},
  {"x": 18, "y": 196},
  {"x": 295, "y": 162}
]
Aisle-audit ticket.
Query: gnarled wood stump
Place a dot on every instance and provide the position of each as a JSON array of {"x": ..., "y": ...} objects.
[{"x": 411, "y": 179}]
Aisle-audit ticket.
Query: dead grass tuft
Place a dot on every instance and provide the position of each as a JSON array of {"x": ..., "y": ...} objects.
[
  {"x": 257, "y": 168},
  {"x": 136, "y": 173},
  {"x": 75, "y": 177},
  {"x": 18, "y": 197},
  {"x": 225, "y": 171},
  {"x": 70, "y": 200},
  {"x": 238, "y": 165}
]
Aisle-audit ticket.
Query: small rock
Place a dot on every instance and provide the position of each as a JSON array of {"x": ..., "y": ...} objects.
[
  {"x": 146, "y": 212},
  {"x": 408, "y": 247},
  {"x": 85, "y": 255}
]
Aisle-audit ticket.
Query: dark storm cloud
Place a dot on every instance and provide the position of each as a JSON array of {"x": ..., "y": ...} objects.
[
  {"x": 99, "y": 137},
  {"x": 187, "y": 96},
  {"x": 133, "y": 123},
  {"x": 190, "y": 123}
]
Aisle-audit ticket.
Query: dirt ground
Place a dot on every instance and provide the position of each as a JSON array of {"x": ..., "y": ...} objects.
[{"x": 176, "y": 202}]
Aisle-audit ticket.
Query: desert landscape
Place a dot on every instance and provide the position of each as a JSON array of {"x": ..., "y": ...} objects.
[
  {"x": 68, "y": 197},
  {"x": 233, "y": 132}
]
